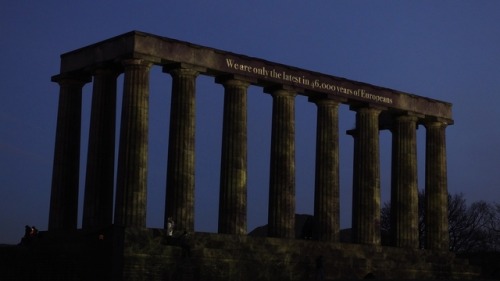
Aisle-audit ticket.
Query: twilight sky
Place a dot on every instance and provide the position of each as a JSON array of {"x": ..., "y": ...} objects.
[{"x": 444, "y": 50}]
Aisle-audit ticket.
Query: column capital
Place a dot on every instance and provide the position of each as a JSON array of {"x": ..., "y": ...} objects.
[
  {"x": 233, "y": 80},
  {"x": 280, "y": 91},
  {"x": 323, "y": 100},
  {"x": 65, "y": 78},
  {"x": 407, "y": 116},
  {"x": 399, "y": 119},
  {"x": 113, "y": 70},
  {"x": 368, "y": 109},
  {"x": 136, "y": 62},
  {"x": 181, "y": 70},
  {"x": 435, "y": 122},
  {"x": 364, "y": 108},
  {"x": 388, "y": 118},
  {"x": 168, "y": 68}
]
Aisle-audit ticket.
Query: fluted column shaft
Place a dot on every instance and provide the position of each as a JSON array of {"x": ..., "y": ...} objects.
[
  {"x": 404, "y": 190},
  {"x": 63, "y": 214},
  {"x": 181, "y": 150},
  {"x": 131, "y": 193},
  {"x": 366, "y": 181},
  {"x": 281, "y": 216},
  {"x": 233, "y": 174},
  {"x": 326, "y": 192},
  {"x": 436, "y": 187},
  {"x": 98, "y": 201}
]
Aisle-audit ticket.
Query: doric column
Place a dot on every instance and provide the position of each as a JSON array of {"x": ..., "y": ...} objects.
[
  {"x": 436, "y": 187},
  {"x": 281, "y": 216},
  {"x": 130, "y": 206},
  {"x": 63, "y": 213},
  {"x": 404, "y": 189},
  {"x": 233, "y": 174},
  {"x": 181, "y": 149},
  {"x": 326, "y": 192},
  {"x": 366, "y": 180},
  {"x": 98, "y": 201}
]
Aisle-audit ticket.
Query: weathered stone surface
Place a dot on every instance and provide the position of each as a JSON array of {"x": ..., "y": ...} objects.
[
  {"x": 233, "y": 172},
  {"x": 326, "y": 192},
  {"x": 281, "y": 214},
  {"x": 64, "y": 191},
  {"x": 181, "y": 148},
  {"x": 131, "y": 179},
  {"x": 148, "y": 254},
  {"x": 135, "y": 253},
  {"x": 99, "y": 180},
  {"x": 159, "y": 50},
  {"x": 404, "y": 188},
  {"x": 366, "y": 178}
]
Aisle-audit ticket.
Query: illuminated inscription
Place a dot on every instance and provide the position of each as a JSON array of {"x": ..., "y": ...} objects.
[{"x": 314, "y": 84}]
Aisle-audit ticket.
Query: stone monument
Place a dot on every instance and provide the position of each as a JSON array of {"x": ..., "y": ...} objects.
[{"x": 114, "y": 225}]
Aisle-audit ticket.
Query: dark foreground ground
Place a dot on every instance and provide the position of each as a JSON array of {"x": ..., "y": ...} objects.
[{"x": 148, "y": 254}]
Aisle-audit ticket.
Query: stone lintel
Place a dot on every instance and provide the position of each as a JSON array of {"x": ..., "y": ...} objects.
[
  {"x": 161, "y": 50},
  {"x": 357, "y": 105}
]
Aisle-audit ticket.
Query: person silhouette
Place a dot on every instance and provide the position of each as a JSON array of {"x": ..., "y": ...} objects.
[{"x": 170, "y": 226}]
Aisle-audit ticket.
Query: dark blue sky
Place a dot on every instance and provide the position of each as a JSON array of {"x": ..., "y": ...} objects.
[{"x": 445, "y": 50}]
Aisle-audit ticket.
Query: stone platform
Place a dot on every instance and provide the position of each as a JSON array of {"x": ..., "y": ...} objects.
[{"x": 148, "y": 254}]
